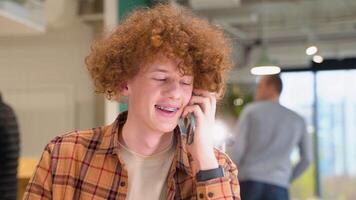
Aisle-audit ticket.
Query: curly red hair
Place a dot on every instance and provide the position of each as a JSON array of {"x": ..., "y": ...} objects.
[{"x": 203, "y": 49}]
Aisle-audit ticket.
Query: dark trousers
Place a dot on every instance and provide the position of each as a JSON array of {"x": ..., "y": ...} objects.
[{"x": 254, "y": 190}]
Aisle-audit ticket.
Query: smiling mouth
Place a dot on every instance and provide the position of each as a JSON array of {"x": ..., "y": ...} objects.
[{"x": 167, "y": 109}]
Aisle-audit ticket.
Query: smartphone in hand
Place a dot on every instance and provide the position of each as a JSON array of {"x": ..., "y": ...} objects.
[{"x": 187, "y": 127}]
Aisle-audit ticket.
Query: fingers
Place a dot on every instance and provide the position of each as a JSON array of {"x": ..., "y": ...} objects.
[
  {"x": 203, "y": 102},
  {"x": 205, "y": 93},
  {"x": 209, "y": 100},
  {"x": 198, "y": 113}
]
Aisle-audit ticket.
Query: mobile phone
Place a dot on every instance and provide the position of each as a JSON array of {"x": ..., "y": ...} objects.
[{"x": 187, "y": 127}]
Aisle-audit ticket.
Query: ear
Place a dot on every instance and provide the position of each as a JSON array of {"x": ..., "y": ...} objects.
[{"x": 124, "y": 89}]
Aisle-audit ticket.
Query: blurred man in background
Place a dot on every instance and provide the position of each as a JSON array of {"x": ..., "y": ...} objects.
[
  {"x": 266, "y": 134},
  {"x": 9, "y": 152}
]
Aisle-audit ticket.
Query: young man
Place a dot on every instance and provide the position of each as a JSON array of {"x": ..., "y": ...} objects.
[
  {"x": 266, "y": 134},
  {"x": 158, "y": 58}
]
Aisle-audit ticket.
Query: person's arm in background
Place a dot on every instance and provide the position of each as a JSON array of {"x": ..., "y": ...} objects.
[
  {"x": 2, "y": 144},
  {"x": 305, "y": 152},
  {"x": 9, "y": 134},
  {"x": 240, "y": 137},
  {"x": 2, "y": 133}
]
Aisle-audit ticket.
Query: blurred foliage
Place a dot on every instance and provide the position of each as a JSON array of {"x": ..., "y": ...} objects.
[
  {"x": 234, "y": 101},
  {"x": 333, "y": 187},
  {"x": 304, "y": 186}
]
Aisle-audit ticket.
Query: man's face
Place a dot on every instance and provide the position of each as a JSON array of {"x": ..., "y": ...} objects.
[
  {"x": 158, "y": 94},
  {"x": 262, "y": 90}
]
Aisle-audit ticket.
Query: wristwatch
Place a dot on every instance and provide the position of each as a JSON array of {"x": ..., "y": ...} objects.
[{"x": 204, "y": 175}]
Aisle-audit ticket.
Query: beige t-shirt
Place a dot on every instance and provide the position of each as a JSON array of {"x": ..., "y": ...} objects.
[{"x": 147, "y": 174}]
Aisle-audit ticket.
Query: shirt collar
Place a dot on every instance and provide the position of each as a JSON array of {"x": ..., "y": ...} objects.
[{"x": 110, "y": 143}]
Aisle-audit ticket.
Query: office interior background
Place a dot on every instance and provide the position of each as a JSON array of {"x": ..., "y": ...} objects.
[{"x": 43, "y": 44}]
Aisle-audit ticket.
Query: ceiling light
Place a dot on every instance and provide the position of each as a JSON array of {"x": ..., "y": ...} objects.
[
  {"x": 318, "y": 59},
  {"x": 265, "y": 65},
  {"x": 311, "y": 50},
  {"x": 265, "y": 70}
]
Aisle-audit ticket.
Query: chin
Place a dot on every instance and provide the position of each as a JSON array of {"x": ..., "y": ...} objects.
[
  {"x": 166, "y": 125},
  {"x": 166, "y": 128}
]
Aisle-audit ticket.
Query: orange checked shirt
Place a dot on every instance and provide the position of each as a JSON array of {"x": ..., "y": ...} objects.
[{"x": 87, "y": 165}]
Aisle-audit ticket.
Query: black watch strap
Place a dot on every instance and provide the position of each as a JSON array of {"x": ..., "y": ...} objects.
[{"x": 204, "y": 175}]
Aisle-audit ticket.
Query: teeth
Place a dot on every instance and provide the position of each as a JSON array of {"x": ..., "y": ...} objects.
[{"x": 167, "y": 108}]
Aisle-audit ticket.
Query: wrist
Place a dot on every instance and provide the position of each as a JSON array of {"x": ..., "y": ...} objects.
[{"x": 207, "y": 162}]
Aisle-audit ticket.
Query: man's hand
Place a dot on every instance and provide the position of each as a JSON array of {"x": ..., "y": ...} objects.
[{"x": 203, "y": 106}]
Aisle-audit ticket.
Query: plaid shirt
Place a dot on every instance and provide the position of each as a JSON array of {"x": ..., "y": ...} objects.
[{"x": 87, "y": 165}]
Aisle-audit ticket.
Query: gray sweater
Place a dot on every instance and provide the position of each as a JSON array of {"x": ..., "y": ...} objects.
[{"x": 265, "y": 136}]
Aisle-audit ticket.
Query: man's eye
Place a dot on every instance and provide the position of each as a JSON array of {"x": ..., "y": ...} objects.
[
  {"x": 186, "y": 83},
  {"x": 160, "y": 79}
]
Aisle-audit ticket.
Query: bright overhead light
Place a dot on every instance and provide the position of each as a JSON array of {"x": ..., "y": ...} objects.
[
  {"x": 265, "y": 66},
  {"x": 318, "y": 59},
  {"x": 311, "y": 50},
  {"x": 265, "y": 70}
]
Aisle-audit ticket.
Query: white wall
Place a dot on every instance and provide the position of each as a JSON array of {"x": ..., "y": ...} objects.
[{"x": 44, "y": 78}]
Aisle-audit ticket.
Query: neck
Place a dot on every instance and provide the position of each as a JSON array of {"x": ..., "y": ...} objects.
[
  {"x": 274, "y": 99},
  {"x": 143, "y": 141}
]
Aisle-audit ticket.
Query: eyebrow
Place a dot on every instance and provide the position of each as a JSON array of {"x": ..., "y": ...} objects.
[
  {"x": 159, "y": 70},
  {"x": 165, "y": 71}
]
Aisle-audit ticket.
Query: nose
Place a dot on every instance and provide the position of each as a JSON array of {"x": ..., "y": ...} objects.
[{"x": 173, "y": 90}]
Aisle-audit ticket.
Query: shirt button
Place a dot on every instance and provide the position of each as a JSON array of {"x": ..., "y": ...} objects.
[
  {"x": 122, "y": 184},
  {"x": 201, "y": 195},
  {"x": 210, "y": 194}
]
